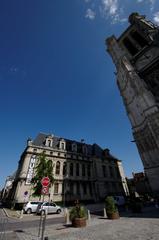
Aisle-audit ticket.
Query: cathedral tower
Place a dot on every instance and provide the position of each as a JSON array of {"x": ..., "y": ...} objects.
[{"x": 136, "y": 57}]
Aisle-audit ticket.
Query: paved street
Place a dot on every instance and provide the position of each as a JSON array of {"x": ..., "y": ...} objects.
[{"x": 129, "y": 227}]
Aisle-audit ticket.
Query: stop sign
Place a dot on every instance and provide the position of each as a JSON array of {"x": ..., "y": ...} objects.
[{"x": 45, "y": 181}]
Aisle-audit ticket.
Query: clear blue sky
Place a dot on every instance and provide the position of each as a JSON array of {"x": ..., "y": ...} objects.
[{"x": 56, "y": 76}]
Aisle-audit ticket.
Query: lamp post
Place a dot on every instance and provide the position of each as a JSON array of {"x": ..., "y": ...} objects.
[{"x": 65, "y": 189}]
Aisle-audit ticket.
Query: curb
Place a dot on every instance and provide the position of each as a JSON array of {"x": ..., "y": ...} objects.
[
  {"x": 7, "y": 215},
  {"x": 5, "y": 212}
]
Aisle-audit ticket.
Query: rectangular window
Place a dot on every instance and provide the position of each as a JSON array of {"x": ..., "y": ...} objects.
[
  {"x": 89, "y": 170},
  {"x": 138, "y": 38},
  {"x": 130, "y": 47},
  {"x": 77, "y": 169},
  {"x": 71, "y": 169},
  {"x": 56, "y": 188},
  {"x": 78, "y": 188},
  {"x": 84, "y": 188},
  {"x": 71, "y": 188},
  {"x": 111, "y": 171},
  {"x": 104, "y": 171},
  {"x": 118, "y": 173},
  {"x": 83, "y": 170},
  {"x": 90, "y": 188}
]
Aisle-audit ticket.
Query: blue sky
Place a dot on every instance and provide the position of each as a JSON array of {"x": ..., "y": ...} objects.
[{"x": 56, "y": 76}]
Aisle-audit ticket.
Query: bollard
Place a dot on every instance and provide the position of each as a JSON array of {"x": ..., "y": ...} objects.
[
  {"x": 21, "y": 214},
  {"x": 65, "y": 214},
  {"x": 105, "y": 214},
  {"x": 89, "y": 216},
  {"x": 43, "y": 227},
  {"x": 67, "y": 217}
]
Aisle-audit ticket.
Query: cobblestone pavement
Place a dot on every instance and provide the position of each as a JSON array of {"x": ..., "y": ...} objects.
[
  {"x": 139, "y": 227},
  {"x": 144, "y": 226}
]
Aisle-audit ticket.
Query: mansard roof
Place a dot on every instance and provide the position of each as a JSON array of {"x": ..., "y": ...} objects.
[{"x": 94, "y": 149}]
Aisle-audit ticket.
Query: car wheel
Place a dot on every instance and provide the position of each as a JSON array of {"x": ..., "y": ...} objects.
[
  {"x": 28, "y": 211},
  {"x": 59, "y": 211}
]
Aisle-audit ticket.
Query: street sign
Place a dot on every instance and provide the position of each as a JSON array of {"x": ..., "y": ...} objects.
[
  {"x": 45, "y": 190},
  {"x": 25, "y": 194},
  {"x": 45, "y": 181}
]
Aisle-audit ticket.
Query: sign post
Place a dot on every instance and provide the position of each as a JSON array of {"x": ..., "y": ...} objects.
[{"x": 45, "y": 181}]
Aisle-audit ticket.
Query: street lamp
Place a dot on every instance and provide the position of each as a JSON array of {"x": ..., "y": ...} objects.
[{"x": 65, "y": 189}]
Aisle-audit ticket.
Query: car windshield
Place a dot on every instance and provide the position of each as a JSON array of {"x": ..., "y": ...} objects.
[{"x": 40, "y": 204}]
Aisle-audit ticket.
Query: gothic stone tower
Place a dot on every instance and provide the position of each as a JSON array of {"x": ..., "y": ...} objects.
[{"x": 136, "y": 57}]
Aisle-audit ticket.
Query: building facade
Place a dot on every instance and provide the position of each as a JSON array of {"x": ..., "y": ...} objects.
[
  {"x": 139, "y": 184},
  {"x": 81, "y": 171},
  {"x": 136, "y": 57}
]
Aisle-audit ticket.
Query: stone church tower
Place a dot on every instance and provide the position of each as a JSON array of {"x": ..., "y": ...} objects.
[{"x": 136, "y": 57}]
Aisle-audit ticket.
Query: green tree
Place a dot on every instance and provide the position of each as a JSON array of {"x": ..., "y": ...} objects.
[{"x": 44, "y": 168}]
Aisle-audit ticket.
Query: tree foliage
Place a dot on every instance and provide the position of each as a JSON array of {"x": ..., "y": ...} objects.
[
  {"x": 110, "y": 205},
  {"x": 44, "y": 168}
]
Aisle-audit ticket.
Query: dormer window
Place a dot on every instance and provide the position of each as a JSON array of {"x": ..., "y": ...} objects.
[
  {"x": 49, "y": 141},
  {"x": 74, "y": 147},
  {"x": 84, "y": 149},
  {"x": 62, "y": 144}
]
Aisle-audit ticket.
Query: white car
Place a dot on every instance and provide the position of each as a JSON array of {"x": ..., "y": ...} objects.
[
  {"x": 30, "y": 207},
  {"x": 48, "y": 207}
]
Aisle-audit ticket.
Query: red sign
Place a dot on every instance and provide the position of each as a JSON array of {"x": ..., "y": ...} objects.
[
  {"x": 45, "y": 190},
  {"x": 45, "y": 181}
]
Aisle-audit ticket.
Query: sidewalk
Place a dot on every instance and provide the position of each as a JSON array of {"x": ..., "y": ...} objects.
[
  {"x": 17, "y": 215},
  {"x": 141, "y": 226},
  {"x": 144, "y": 226}
]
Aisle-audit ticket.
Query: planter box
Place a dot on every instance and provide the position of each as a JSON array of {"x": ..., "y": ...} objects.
[
  {"x": 79, "y": 222},
  {"x": 113, "y": 216}
]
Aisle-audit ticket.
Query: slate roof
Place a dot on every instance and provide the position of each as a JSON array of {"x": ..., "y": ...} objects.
[{"x": 91, "y": 149}]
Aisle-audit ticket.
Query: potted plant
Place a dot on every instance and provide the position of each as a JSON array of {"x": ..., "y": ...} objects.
[
  {"x": 78, "y": 215},
  {"x": 111, "y": 208}
]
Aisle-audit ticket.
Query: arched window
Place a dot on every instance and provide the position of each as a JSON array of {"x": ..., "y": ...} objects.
[
  {"x": 71, "y": 169},
  {"x": 64, "y": 168},
  {"x": 57, "y": 168}
]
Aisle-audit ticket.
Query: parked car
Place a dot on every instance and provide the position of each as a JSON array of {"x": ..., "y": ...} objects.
[
  {"x": 30, "y": 207},
  {"x": 48, "y": 207}
]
